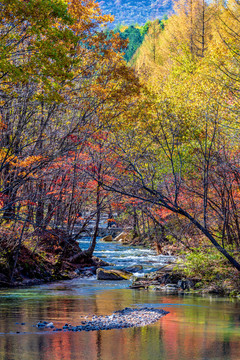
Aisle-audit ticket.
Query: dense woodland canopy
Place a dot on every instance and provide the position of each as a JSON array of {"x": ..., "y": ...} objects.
[{"x": 155, "y": 141}]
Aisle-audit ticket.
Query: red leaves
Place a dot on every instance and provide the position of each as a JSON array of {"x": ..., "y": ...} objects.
[
  {"x": 3, "y": 199},
  {"x": 74, "y": 138}
]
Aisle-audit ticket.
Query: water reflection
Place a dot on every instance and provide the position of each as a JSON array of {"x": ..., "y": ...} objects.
[{"x": 196, "y": 328}]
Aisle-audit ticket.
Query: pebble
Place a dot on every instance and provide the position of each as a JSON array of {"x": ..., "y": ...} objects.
[
  {"x": 45, "y": 324},
  {"x": 50, "y": 325},
  {"x": 40, "y": 325}
]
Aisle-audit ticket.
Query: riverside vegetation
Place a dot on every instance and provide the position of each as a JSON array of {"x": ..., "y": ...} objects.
[{"x": 153, "y": 143}]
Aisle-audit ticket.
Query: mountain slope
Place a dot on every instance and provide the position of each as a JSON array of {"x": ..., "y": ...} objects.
[{"x": 135, "y": 11}]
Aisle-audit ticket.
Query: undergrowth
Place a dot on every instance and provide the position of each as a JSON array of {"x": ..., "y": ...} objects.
[{"x": 211, "y": 270}]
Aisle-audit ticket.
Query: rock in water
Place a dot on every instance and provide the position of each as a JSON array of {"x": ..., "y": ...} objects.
[
  {"x": 45, "y": 324},
  {"x": 107, "y": 238},
  {"x": 41, "y": 324},
  {"x": 103, "y": 274},
  {"x": 123, "y": 238},
  {"x": 133, "y": 268},
  {"x": 50, "y": 325}
]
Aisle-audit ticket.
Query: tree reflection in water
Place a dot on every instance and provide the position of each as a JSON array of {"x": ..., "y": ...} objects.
[{"x": 196, "y": 328}]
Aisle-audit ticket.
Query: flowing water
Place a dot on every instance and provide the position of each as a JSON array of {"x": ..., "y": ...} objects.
[
  {"x": 127, "y": 256},
  {"x": 196, "y": 328}
]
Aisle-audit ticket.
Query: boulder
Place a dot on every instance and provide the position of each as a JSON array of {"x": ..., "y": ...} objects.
[
  {"x": 123, "y": 237},
  {"x": 103, "y": 274},
  {"x": 185, "y": 284},
  {"x": 107, "y": 238},
  {"x": 99, "y": 262}
]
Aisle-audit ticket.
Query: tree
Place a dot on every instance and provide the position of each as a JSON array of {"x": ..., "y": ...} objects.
[
  {"x": 53, "y": 100},
  {"x": 135, "y": 40},
  {"x": 189, "y": 31},
  {"x": 152, "y": 184},
  {"x": 180, "y": 157},
  {"x": 227, "y": 43}
]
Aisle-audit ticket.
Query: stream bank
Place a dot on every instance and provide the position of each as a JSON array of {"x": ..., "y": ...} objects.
[{"x": 42, "y": 258}]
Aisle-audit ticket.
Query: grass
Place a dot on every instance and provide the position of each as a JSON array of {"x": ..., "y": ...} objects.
[{"x": 211, "y": 270}]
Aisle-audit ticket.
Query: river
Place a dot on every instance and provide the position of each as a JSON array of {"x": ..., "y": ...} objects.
[{"x": 206, "y": 328}]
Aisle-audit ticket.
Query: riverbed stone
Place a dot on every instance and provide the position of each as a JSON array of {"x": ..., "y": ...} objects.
[
  {"x": 107, "y": 238},
  {"x": 103, "y": 274},
  {"x": 123, "y": 237},
  {"x": 133, "y": 268}
]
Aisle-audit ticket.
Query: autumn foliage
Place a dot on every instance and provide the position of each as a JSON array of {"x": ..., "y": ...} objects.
[
  {"x": 82, "y": 134},
  {"x": 63, "y": 80}
]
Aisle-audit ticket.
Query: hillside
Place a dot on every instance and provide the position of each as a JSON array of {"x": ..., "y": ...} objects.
[{"x": 135, "y": 11}]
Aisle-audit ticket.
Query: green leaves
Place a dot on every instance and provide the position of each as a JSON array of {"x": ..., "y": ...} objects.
[{"x": 35, "y": 42}]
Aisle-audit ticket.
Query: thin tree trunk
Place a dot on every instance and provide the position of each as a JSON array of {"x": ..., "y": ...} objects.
[
  {"x": 18, "y": 250},
  {"x": 211, "y": 238}
]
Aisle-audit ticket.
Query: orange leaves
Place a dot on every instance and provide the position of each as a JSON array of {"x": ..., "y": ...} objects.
[
  {"x": 133, "y": 201},
  {"x": 18, "y": 163},
  {"x": 3, "y": 126},
  {"x": 28, "y": 161},
  {"x": 119, "y": 206},
  {"x": 87, "y": 15},
  {"x": 110, "y": 221}
]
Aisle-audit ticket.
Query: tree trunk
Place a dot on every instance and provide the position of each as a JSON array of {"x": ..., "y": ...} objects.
[{"x": 211, "y": 238}]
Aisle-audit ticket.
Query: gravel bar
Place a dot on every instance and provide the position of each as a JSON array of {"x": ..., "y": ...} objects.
[{"x": 128, "y": 317}]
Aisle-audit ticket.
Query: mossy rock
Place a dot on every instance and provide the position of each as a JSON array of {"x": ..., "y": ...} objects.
[{"x": 103, "y": 274}]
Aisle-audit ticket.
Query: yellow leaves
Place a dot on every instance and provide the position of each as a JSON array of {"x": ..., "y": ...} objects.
[{"x": 3, "y": 154}]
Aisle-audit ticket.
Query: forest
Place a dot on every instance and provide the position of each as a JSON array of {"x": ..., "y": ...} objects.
[
  {"x": 147, "y": 134},
  {"x": 130, "y": 12}
]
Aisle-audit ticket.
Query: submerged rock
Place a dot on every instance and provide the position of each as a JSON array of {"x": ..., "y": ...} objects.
[
  {"x": 45, "y": 324},
  {"x": 133, "y": 268}
]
